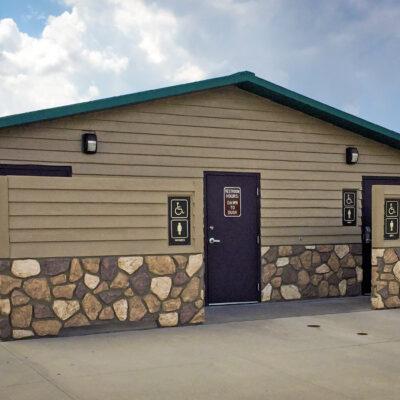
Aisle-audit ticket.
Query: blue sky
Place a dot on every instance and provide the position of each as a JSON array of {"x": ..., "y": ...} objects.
[{"x": 345, "y": 53}]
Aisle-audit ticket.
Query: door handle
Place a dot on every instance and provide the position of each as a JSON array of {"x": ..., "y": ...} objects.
[{"x": 213, "y": 240}]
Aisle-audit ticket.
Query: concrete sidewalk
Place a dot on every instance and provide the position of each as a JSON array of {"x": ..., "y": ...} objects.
[{"x": 275, "y": 357}]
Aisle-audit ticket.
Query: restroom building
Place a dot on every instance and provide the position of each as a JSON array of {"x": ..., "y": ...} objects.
[{"x": 142, "y": 209}]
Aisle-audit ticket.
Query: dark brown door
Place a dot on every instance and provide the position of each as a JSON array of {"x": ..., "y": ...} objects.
[{"x": 232, "y": 221}]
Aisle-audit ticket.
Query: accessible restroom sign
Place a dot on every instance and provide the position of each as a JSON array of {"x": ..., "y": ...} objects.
[
  {"x": 391, "y": 219},
  {"x": 178, "y": 220},
  {"x": 349, "y": 207}
]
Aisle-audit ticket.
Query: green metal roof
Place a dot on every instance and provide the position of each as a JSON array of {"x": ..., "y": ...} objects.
[{"x": 245, "y": 80}]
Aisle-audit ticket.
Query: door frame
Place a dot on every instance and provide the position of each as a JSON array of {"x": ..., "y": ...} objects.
[
  {"x": 363, "y": 216},
  {"x": 256, "y": 175}
]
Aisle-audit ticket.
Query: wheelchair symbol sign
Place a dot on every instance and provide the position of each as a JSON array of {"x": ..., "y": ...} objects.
[{"x": 179, "y": 208}]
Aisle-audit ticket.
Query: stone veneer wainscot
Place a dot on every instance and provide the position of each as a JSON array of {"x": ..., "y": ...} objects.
[{"x": 45, "y": 297}]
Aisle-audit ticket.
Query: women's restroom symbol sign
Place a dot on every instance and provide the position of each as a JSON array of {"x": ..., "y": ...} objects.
[
  {"x": 349, "y": 207},
  {"x": 391, "y": 229}
]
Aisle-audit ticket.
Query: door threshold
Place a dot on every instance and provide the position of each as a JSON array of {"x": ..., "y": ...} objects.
[{"x": 232, "y": 303}]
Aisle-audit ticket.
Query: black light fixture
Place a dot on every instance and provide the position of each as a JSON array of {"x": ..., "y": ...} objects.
[
  {"x": 352, "y": 155},
  {"x": 89, "y": 143}
]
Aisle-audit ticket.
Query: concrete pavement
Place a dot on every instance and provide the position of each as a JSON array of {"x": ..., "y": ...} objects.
[{"x": 265, "y": 351}]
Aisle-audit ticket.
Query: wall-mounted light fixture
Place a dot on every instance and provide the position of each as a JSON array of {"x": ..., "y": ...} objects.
[
  {"x": 351, "y": 155},
  {"x": 89, "y": 143}
]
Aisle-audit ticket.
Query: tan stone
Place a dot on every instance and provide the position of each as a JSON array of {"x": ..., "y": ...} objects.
[
  {"x": 130, "y": 264},
  {"x": 284, "y": 251},
  {"x": 390, "y": 256},
  {"x": 375, "y": 254},
  {"x": 76, "y": 321},
  {"x": 64, "y": 291},
  {"x": 199, "y": 303},
  {"x": 306, "y": 259},
  {"x": 22, "y": 333},
  {"x": 264, "y": 250},
  {"x": 333, "y": 262},
  {"x": 64, "y": 309},
  {"x": 393, "y": 288},
  {"x": 152, "y": 302},
  {"x": 194, "y": 264},
  {"x": 129, "y": 292},
  {"x": 310, "y": 247},
  {"x": 315, "y": 258},
  {"x": 8, "y": 283},
  {"x": 103, "y": 286},
  {"x": 25, "y": 268},
  {"x": 202, "y": 294},
  {"x": 396, "y": 271},
  {"x": 295, "y": 262},
  {"x": 323, "y": 289},
  {"x": 267, "y": 272},
  {"x": 137, "y": 310},
  {"x": 176, "y": 291},
  {"x": 91, "y": 264},
  {"x": 276, "y": 282},
  {"x": 106, "y": 313},
  {"x": 21, "y": 317},
  {"x": 377, "y": 302},
  {"x": 121, "y": 281},
  {"x": 341, "y": 250},
  {"x": 303, "y": 278},
  {"x": 322, "y": 269},
  {"x": 37, "y": 288},
  {"x": 19, "y": 298},
  {"x": 386, "y": 277},
  {"x": 91, "y": 306},
  {"x": 266, "y": 293},
  {"x": 171, "y": 305},
  {"x": 191, "y": 291},
  {"x": 5, "y": 307},
  {"x": 343, "y": 287},
  {"x": 49, "y": 327},
  {"x": 58, "y": 279},
  {"x": 121, "y": 309},
  {"x": 181, "y": 261},
  {"x": 75, "y": 272},
  {"x": 325, "y": 248},
  {"x": 91, "y": 281},
  {"x": 359, "y": 273},
  {"x": 392, "y": 302},
  {"x": 161, "y": 265},
  {"x": 316, "y": 279},
  {"x": 168, "y": 319},
  {"x": 161, "y": 286},
  {"x": 333, "y": 291},
  {"x": 290, "y": 292},
  {"x": 282, "y": 261},
  {"x": 198, "y": 318}
]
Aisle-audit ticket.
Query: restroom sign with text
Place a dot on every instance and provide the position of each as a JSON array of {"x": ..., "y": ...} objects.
[
  {"x": 232, "y": 202},
  {"x": 349, "y": 207},
  {"x": 391, "y": 220},
  {"x": 178, "y": 221}
]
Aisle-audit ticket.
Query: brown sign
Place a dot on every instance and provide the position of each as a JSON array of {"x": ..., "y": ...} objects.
[{"x": 232, "y": 197}]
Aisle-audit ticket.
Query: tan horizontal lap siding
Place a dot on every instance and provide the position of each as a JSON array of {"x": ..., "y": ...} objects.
[
  {"x": 95, "y": 216},
  {"x": 301, "y": 160}
]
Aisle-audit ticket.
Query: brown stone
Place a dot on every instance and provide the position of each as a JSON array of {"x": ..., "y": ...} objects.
[
  {"x": 289, "y": 275},
  {"x": 276, "y": 282},
  {"x": 5, "y": 307},
  {"x": 58, "y": 279},
  {"x": 295, "y": 262},
  {"x": 152, "y": 303},
  {"x": 80, "y": 290},
  {"x": 160, "y": 265},
  {"x": 176, "y": 291},
  {"x": 107, "y": 313},
  {"x": 180, "y": 278},
  {"x": 267, "y": 272},
  {"x": 181, "y": 261},
  {"x": 309, "y": 292},
  {"x": 284, "y": 251},
  {"x": 341, "y": 250},
  {"x": 19, "y": 298},
  {"x": 324, "y": 248},
  {"x": 393, "y": 288},
  {"x": 137, "y": 310},
  {"x": 91, "y": 306},
  {"x": 323, "y": 289},
  {"x": 37, "y": 288},
  {"x": 4, "y": 265},
  {"x": 101, "y": 288},
  {"x": 21, "y": 317},
  {"x": 171, "y": 305},
  {"x": 276, "y": 295},
  {"x": 191, "y": 291},
  {"x": 272, "y": 254},
  {"x": 347, "y": 261},
  {"x": 91, "y": 264},
  {"x": 42, "y": 311},
  {"x": 141, "y": 283},
  {"x": 108, "y": 268},
  {"x": 65, "y": 309},
  {"x": 121, "y": 281},
  {"x": 187, "y": 312},
  {"x": 390, "y": 256},
  {"x": 7, "y": 284},
  {"x": 316, "y": 279},
  {"x": 199, "y": 303},
  {"x": 333, "y": 291},
  {"x": 47, "y": 327},
  {"x": 333, "y": 262},
  {"x": 5, "y": 328},
  {"x": 315, "y": 259},
  {"x": 129, "y": 292},
  {"x": 109, "y": 296},
  {"x": 199, "y": 317},
  {"x": 75, "y": 272},
  {"x": 306, "y": 259},
  {"x": 387, "y": 277},
  {"x": 303, "y": 278},
  {"x": 322, "y": 269},
  {"x": 121, "y": 309},
  {"x": 76, "y": 321},
  {"x": 392, "y": 302},
  {"x": 54, "y": 266},
  {"x": 64, "y": 292}
]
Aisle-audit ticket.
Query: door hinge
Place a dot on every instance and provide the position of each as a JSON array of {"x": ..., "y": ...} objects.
[
  {"x": 258, "y": 191},
  {"x": 258, "y": 286},
  {"x": 258, "y": 239}
]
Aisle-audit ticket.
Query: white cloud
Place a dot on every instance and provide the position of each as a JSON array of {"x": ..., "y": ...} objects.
[{"x": 96, "y": 49}]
